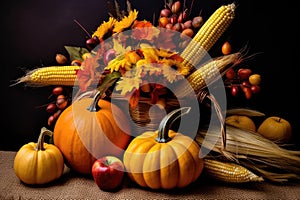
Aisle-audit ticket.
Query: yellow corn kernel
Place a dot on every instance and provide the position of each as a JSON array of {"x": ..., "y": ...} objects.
[
  {"x": 208, "y": 34},
  {"x": 207, "y": 74},
  {"x": 229, "y": 172},
  {"x": 52, "y": 75}
]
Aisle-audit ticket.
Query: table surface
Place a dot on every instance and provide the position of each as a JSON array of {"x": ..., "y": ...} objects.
[{"x": 74, "y": 186}]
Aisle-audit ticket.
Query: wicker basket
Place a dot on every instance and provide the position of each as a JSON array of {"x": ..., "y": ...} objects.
[{"x": 146, "y": 116}]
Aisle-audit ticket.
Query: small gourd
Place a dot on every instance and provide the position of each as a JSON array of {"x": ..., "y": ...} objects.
[
  {"x": 39, "y": 163},
  {"x": 164, "y": 159}
]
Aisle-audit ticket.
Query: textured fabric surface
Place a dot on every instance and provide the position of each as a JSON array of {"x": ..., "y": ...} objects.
[{"x": 74, "y": 186}]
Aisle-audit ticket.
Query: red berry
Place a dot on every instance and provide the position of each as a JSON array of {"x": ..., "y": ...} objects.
[
  {"x": 56, "y": 114},
  {"x": 244, "y": 73},
  {"x": 173, "y": 19},
  {"x": 91, "y": 43},
  {"x": 180, "y": 19},
  {"x": 57, "y": 90},
  {"x": 187, "y": 24},
  {"x": 246, "y": 84},
  {"x": 255, "y": 89},
  {"x": 51, "y": 108},
  {"x": 61, "y": 102},
  {"x": 169, "y": 26},
  {"x": 182, "y": 16},
  {"x": 177, "y": 27},
  {"x": 248, "y": 93},
  {"x": 51, "y": 120},
  {"x": 230, "y": 74},
  {"x": 234, "y": 90},
  {"x": 176, "y": 6},
  {"x": 165, "y": 12},
  {"x": 197, "y": 22}
]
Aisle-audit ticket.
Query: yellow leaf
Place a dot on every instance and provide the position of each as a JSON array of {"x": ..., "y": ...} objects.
[{"x": 120, "y": 50}]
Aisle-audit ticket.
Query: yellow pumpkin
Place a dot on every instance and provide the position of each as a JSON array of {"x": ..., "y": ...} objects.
[
  {"x": 39, "y": 163},
  {"x": 164, "y": 159},
  {"x": 89, "y": 129}
]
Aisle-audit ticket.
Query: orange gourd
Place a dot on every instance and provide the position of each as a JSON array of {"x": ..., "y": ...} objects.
[
  {"x": 89, "y": 129},
  {"x": 164, "y": 159}
]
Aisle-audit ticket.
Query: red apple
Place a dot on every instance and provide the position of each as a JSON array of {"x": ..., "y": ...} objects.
[{"x": 108, "y": 173}]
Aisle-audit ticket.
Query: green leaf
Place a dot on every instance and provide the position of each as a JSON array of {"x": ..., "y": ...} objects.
[
  {"x": 109, "y": 80},
  {"x": 76, "y": 52}
]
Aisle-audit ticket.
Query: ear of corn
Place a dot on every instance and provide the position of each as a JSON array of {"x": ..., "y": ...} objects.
[
  {"x": 52, "y": 75},
  {"x": 207, "y": 74},
  {"x": 207, "y": 35},
  {"x": 229, "y": 172}
]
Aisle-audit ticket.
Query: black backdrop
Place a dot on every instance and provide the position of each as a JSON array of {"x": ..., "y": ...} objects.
[{"x": 34, "y": 31}]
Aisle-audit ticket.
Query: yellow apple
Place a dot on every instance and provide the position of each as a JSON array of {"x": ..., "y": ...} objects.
[
  {"x": 276, "y": 129},
  {"x": 241, "y": 121}
]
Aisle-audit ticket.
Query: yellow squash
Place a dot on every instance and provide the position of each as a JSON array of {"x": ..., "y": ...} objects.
[
  {"x": 39, "y": 163},
  {"x": 163, "y": 159}
]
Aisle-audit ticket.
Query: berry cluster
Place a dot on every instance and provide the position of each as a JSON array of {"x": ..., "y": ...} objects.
[
  {"x": 60, "y": 101},
  {"x": 243, "y": 80},
  {"x": 60, "y": 96},
  {"x": 175, "y": 17}
]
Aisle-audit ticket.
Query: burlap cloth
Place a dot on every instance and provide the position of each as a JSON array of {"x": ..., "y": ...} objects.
[{"x": 73, "y": 186}]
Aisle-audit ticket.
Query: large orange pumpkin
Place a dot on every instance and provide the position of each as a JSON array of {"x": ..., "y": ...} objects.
[
  {"x": 164, "y": 159},
  {"x": 84, "y": 135}
]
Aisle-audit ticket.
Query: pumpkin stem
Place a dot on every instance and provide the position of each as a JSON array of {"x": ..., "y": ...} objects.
[
  {"x": 108, "y": 81},
  {"x": 40, "y": 142},
  {"x": 167, "y": 121},
  {"x": 94, "y": 107}
]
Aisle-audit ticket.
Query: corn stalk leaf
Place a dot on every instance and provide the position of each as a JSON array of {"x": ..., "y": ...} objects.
[{"x": 245, "y": 111}]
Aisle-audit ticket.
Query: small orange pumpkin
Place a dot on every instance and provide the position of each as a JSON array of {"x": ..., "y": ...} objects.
[
  {"x": 84, "y": 135},
  {"x": 164, "y": 159}
]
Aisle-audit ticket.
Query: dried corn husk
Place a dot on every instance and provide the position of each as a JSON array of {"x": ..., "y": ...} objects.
[
  {"x": 245, "y": 111},
  {"x": 251, "y": 150}
]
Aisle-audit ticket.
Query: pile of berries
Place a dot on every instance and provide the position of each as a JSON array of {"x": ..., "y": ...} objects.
[
  {"x": 243, "y": 80},
  {"x": 60, "y": 100},
  {"x": 175, "y": 16}
]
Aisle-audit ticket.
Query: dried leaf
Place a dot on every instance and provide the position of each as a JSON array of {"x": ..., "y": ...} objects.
[
  {"x": 253, "y": 151},
  {"x": 245, "y": 111},
  {"x": 129, "y": 8}
]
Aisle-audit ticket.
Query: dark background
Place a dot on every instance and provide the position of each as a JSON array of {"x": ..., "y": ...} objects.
[{"x": 33, "y": 31}]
